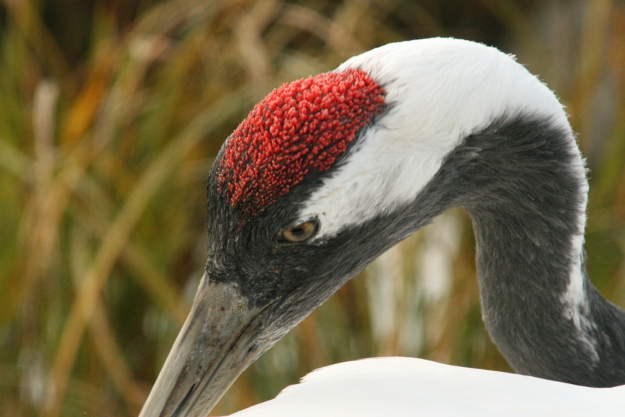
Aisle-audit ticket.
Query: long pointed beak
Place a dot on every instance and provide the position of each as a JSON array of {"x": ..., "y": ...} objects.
[{"x": 217, "y": 342}]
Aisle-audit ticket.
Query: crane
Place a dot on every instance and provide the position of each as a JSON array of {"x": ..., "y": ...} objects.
[{"x": 329, "y": 171}]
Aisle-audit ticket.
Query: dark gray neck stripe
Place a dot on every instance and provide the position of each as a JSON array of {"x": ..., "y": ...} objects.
[{"x": 523, "y": 183}]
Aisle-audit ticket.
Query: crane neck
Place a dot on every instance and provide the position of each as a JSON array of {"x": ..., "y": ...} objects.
[{"x": 526, "y": 195}]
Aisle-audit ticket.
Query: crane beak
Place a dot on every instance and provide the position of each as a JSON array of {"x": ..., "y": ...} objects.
[{"x": 218, "y": 341}]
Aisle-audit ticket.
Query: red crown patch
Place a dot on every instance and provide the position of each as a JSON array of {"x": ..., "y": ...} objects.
[{"x": 298, "y": 128}]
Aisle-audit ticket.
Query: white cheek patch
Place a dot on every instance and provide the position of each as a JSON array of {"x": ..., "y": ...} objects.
[
  {"x": 365, "y": 184},
  {"x": 438, "y": 92}
]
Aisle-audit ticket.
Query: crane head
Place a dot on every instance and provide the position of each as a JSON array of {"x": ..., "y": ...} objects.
[{"x": 324, "y": 175}]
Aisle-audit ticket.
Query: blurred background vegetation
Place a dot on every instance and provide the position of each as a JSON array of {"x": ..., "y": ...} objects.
[{"x": 110, "y": 115}]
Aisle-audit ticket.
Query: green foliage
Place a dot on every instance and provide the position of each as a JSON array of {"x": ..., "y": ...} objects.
[{"x": 110, "y": 115}]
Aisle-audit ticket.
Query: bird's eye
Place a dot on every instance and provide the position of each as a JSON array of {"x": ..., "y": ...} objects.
[{"x": 300, "y": 232}]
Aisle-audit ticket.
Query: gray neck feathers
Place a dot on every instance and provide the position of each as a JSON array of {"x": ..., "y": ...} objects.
[{"x": 522, "y": 181}]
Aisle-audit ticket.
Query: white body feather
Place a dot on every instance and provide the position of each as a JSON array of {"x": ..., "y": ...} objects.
[{"x": 395, "y": 386}]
